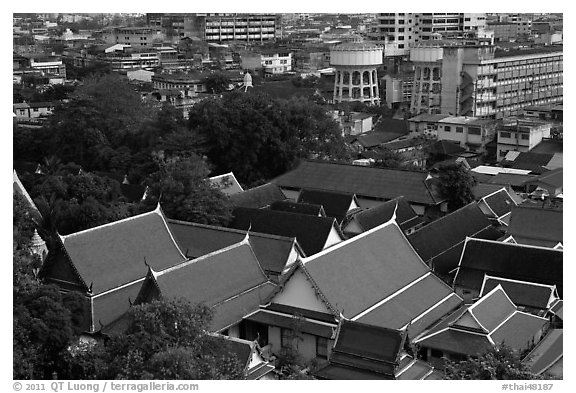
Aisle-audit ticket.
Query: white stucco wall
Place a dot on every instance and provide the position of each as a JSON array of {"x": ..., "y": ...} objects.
[{"x": 298, "y": 292}]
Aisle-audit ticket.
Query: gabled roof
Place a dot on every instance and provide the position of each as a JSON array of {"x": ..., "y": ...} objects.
[
  {"x": 446, "y": 148},
  {"x": 226, "y": 183},
  {"x": 481, "y": 190},
  {"x": 245, "y": 351},
  {"x": 553, "y": 178},
  {"x": 499, "y": 202},
  {"x": 258, "y": 197},
  {"x": 510, "y": 179},
  {"x": 197, "y": 240},
  {"x": 527, "y": 160},
  {"x": 374, "y": 138},
  {"x": 311, "y": 232},
  {"x": 363, "y": 181},
  {"x": 230, "y": 281},
  {"x": 506, "y": 260},
  {"x": 335, "y": 204},
  {"x": 298, "y": 207},
  {"x": 492, "y": 320},
  {"x": 547, "y": 353},
  {"x": 536, "y": 226},
  {"x": 434, "y": 241},
  {"x": 115, "y": 254},
  {"x": 522, "y": 293},
  {"x": 364, "y": 349},
  {"x": 377, "y": 215},
  {"x": 376, "y": 271}
]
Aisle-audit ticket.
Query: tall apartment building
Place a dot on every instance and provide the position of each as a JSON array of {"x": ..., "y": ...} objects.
[
  {"x": 477, "y": 81},
  {"x": 401, "y": 30},
  {"x": 219, "y": 27}
]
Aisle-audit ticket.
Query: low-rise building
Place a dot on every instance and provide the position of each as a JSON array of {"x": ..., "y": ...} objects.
[
  {"x": 521, "y": 135},
  {"x": 278, "y": 61}
]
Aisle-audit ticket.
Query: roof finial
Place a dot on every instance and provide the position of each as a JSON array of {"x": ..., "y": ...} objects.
[
  {"x": 145, "y": 262},
  {"x": 90, "y": 289},
  {"x": 247, "y": 237},
  {"x": 394, "y": 214}
]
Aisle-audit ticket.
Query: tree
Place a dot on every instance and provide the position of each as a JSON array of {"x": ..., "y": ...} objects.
[
  {"x": 259, "y": 138},
  {"x": 184, "y": 193},
  {"x": 499, "y": 362},
  {"x": 217, "y": 83},
  {"x": 164, "y": 339},
  {"x": 456, "y": 184}
]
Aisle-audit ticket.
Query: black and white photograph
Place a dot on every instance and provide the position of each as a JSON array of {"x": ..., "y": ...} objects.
[{"x": 270, "y": 195}]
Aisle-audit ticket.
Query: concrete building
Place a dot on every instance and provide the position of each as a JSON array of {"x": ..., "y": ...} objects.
[
  {"x": 276, "y": 61},
  {"x": 398, "y": 89},
  {"x": 471, "y": 133},
  {"x": 521, "y": 135},
  {"x": 503, "y": 31},
  {"x": 219, "y": 27},
  {"x": 400, "y": 31},
  {"x": 356, "y": 77},
  {"x": 134, "y": 36},
  {"x": 49, "y": 65},
  {"x": 475, "y": 80}
]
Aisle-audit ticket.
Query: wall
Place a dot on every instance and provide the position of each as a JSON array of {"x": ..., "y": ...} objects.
[
  {"x": 305, "y": 347},
  {"x": 298, "y": 292}
]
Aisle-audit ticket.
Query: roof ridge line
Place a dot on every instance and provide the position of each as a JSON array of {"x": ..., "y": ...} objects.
[
  {"x": 64, "y": 237},
  {"x": 227, "y": 229},
  {"x": 202, "y": 258},
  {"x": 512, "y": 244}
]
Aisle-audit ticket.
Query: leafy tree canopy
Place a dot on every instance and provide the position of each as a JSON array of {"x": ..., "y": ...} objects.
[
  {"x": 456, "y": 184},
  {"x": 500, "y": 362}
]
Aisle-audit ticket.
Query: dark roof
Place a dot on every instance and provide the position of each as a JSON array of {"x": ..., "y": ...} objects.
[
  {"x": 392, "y": 126},
  {"x": 500, "y": 203},
  {"x": 374, "y": 138},
  {"x": 197, "y": 240},
  {"x": 433, "y": 241},
  {"x": 541, "y": 159},
  {"x": 536, "y": 226},
  {"x": 417, "y": 307},
  {"x": 446, "y": 148},
  {"x": 549, "y": 146},
  {"x": 508, "y": 179},
  {"x": 481, "y": 190},
  {"x": 521, "y": 293},
  {"x": 258, "y": 197},
  {"x": 517, "y": 262},
  {"x": 362, "y": 349},
  {"x": 285, "y": 321},
  {"x": 363, "y": 181},
  {"x": 369, "y": 341},
  {"x": 458, "y": 341},
  {"x": 311, "y": 232},
  {"x": 335, "y": 204},
  {"x": 377, "y": 215},
  {"x": 338, "y": 372},
  {"x": 553, "y": 178},
  {"x": 298, "y": 207},
  {"x": 217, "y": 280},
  {"x": 115, "y": 254}
]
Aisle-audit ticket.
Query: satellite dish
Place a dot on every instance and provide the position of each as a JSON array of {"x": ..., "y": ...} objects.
[{"x": 247, "y": 81}]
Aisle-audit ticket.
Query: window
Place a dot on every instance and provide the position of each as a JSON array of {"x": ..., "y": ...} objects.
[
  {"x": 505, "y": 135},
  {"x": 401, "y": 38},
  {"x": 460, "y": 129},
  {"x": 322, "y": 347},
  {"x": 525, "y": 136},
  {"x": 285, "y": 338},
  {"x": 474, "y": 131},
  {"x": 401, "y": 30},
  {"x": 400, "y": 46},
  {"x": 447, "y": 128}
]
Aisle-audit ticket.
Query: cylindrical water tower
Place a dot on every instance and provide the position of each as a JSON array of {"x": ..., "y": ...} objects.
[{"x": 356, "y": 78}]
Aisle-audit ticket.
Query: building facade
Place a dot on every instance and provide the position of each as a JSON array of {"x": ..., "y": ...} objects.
[
  {"x": 219, "y": 27},
  {"x": 521, "y": 135},
  {"x": 400, "y": 31},
  {"x": 473, "y": 80}
]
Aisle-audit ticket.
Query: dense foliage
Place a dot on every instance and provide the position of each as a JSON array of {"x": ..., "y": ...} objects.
[
  {"x": 259, "y": 138},
  {"x": 500, "y": 362},
  {"x": 456, "y": 184}
]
